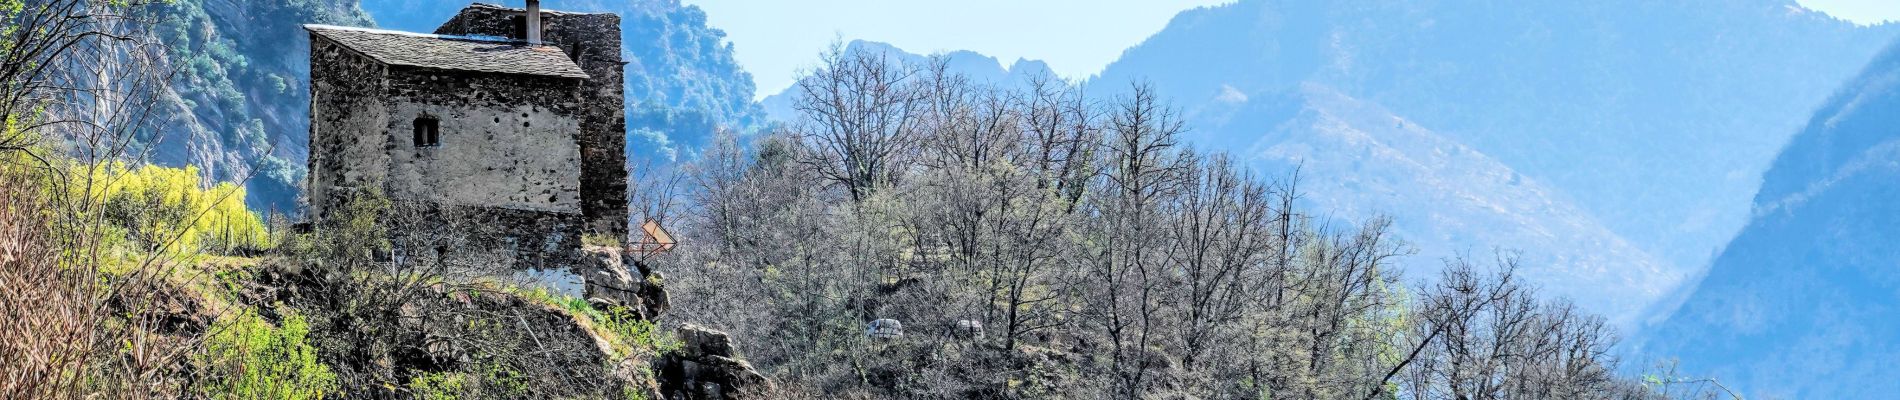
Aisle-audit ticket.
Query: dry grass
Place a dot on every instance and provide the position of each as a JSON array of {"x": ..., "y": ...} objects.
[
  {"x": 73, "y": 331},
  {"x": 50, "y": 314}
]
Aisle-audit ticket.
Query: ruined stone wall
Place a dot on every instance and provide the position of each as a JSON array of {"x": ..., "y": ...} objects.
[
  {"x": 593, "y": 41},
  {"x": 347, "y": 113},
  {"x": 505, "y": 141}
]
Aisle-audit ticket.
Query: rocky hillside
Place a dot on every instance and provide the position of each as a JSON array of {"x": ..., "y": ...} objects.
[{"x": 1801, "y": 304}]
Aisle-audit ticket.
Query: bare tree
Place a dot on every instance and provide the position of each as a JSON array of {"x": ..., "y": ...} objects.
[
  {"x": 1142, "y": 172},
  {"x": 1063, "y": 134},
  {"x": 1491, "y": 338},
  {"x": 860, "y": 114},
  {"x": 1222, "y": 224}
]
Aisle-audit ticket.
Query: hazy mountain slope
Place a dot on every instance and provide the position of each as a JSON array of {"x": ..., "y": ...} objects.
[
  {"x": 682, "y": 80},
  {"x": 1357, "y": 160},
  {"x": 1805, "y": 302},
  {"x": 1655, "y": 116}
]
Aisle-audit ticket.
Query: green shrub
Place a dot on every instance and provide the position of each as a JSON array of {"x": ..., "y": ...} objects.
[
  {"x": 251, "y": 359},
  {"x": 171, "y": 210},
  {"x": 439, "y": 386},
  {"x": 486, "y": 380}
]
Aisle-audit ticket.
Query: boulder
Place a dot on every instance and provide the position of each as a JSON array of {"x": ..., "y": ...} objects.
[
  {"x": 704, "y": 368},
  {"x": 699, "y": 340},
  {"x": 608, "y": 282}
]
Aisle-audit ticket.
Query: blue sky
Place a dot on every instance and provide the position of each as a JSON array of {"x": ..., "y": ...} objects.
[
  {"x": 776, "y": 39},
  {"x": 1861, "y": 11}
]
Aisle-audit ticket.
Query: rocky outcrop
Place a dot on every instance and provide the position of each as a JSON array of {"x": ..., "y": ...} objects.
[
  {"x": 705, "y": 368},
  {"x": 608, "y": 282}
]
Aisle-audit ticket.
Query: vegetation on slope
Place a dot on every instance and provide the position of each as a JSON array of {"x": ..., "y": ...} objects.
[
  {"x": 1034, "y": 243},
  {"x": 239, "y": 99}
]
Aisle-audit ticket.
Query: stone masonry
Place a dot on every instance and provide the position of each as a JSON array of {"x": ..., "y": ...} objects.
[
  {"x": 592, "y": 42},
  {"x": 514, "y": 147}
]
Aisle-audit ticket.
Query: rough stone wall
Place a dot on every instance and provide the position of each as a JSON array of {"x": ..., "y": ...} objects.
[
  {"x": 505, "y": 141},
  {"x": 346, "y": 111},
  {"x": 593, "y": 41},
  {"x": 502, "y": 188}
]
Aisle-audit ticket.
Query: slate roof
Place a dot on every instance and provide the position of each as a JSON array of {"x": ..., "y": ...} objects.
[
  {"x": 460, "y": 53},
  {"x": 496, "y": 7}
]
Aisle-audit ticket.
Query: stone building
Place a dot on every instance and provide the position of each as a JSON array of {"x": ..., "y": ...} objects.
[{"x": 504, "y": 126}]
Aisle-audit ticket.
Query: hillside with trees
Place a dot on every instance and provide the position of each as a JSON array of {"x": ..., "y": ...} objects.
[
  {"x": 236, "y": 106},
  {"x": 1613, "y": 144},
  {"x": 917, "y": 233}
]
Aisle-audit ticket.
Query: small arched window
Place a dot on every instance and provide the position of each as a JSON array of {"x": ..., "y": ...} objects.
[{"x": 428, "y": 132}]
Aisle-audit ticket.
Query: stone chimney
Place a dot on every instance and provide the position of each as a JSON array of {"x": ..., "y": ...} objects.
[{"x": 534, "y": 22}]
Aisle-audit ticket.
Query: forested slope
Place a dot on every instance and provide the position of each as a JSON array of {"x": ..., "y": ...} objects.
[
  {"x": 915, "y": 232},
  {"x": 1612, "y": 142}
]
